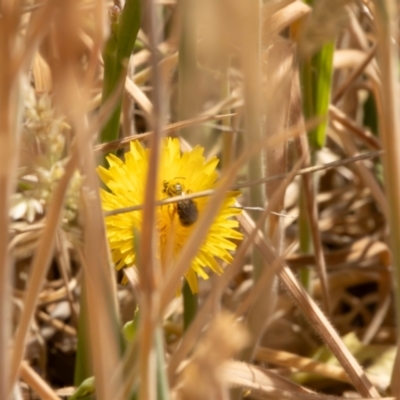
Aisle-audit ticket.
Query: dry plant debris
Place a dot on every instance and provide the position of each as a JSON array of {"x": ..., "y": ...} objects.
[{"x": 223, "y": 81}]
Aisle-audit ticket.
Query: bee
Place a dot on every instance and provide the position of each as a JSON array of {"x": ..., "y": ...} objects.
[{"x": 186, "y": 209}]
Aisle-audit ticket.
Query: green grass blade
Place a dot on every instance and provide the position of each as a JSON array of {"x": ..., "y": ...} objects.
[
  {"x": 85, "y": 389},
  {"x": 316, "y": 76},
  {"x": 119, "y": 46},
  {"x": 83, "y": 368},
  {"x": 162, "y": 380},
  {"x": 322, "y": 64},
  {"x": 190, "y": 305}
]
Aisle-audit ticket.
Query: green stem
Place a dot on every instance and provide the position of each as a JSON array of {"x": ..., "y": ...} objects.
[
  {"x": 190, "y": 305},
  {"x": 124, "y": 29},
  {"x": 316, "y": 79},
  {"x": 162, "y": 380},
  {"x": 83, "y": 368}
]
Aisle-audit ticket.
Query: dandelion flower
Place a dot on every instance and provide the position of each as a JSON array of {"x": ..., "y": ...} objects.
[{"x": 180, "y": 173}]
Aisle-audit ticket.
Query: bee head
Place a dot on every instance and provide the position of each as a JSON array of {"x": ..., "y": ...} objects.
[{"x": 173, "y": 188}]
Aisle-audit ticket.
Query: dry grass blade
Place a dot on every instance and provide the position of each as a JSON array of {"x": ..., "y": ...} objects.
[
  {"x": 139, "y": 97},
  {"x": 166, "y": 65},
  {"x": 37, "y": 383},
  {"x": 316, "y": 317},
  {"x": 101, "y": 293},
  {"x": 366, "y": 175},
  {"x": 64, "y": 262},
  {"x": 57, "y": 323},
  {"x": 291, "y": 361},
  {"x": 353, "y": 76},
  {"x": 378, "y": 319},
  {"x": 201, "y": 378},
  {"x": 349, "y": 58},
  {"x": 388, "y": 104},
  {"x": 355, "y": 253},
  {"x": 284, "y": 17},
  {"x": 315, "y": 168},
  {"x": 39, "y": 267},
  {"x": 147, "y": 263},
  {"x": 367, "y": 137},
  {"x": 73, "y": 83},
  {"x": 278, "y": 72},
  {"x": 10, "y": 91},
  {"x": 261, "y": 381},
  {"x": 117, "y": 144}
]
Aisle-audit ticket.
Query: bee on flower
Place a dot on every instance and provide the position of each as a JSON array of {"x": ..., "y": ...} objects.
[{"x": 180, "y": 174}]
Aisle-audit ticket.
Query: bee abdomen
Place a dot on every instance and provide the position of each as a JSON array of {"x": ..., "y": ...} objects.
[{"x": 187, "y": 212}]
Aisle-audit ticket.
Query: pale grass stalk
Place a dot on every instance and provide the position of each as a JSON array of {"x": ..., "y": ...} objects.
[
  {"x": 365, "y": 174},
  {"x": 40, "y": 264},
  {"x": 139, "y": 97},
  {"x": 58, "y": 324},
  {"x": 276, "y": 16},
  {"x": 386, "y": 16},
  {"x": 308, "y": 170},
  {"x": 355, "y": 28},
  {"x": 278, "y": 72},
  {"x": 38, "y": 26},
  {"x": 265, "y": 278},
  {"x": 99, "y": 278},
  {"x": 99, "y": 291},
  {"x": 127, "y": 124},
  {"x": 166, "y": 66},
  {"x": 351, "y": 58},
  {"x": 264, "y": 382},
  {"x": 10, "y": 93},
  {"x": 366, "y": 136},
  {"x": 303, "y": 364},
  {"x": 147, "y": 264},
  {"x": 64, "y": 263},
  {"x": 228, "y": 137},
  {"x": 379, "y": 316},
  {"x": 72, "y": 88},
  {"x": 340, "y": 91},
  {"x": 169, "y": 129},
  {"x": 37, "y": 383},
  {"x": 188, "y": 101},
  {"x": 249, "y": 19}
]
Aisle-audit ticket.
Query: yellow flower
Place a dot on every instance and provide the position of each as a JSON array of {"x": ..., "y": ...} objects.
[{"x": 180, "y": 173}]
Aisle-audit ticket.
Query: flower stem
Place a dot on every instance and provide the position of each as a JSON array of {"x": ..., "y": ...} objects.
[
  {"x": 162, "y": 380},
  {"x": 190, "y": 305}
]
